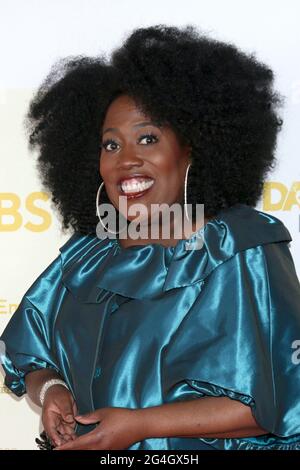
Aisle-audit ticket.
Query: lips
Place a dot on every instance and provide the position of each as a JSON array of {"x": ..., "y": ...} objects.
[
  {"x": 136, "y": 176},
  {"x": 135, "y": 185}
]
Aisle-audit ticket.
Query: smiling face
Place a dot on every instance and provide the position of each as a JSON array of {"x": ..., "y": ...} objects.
[{"x": 133, "y": 145}]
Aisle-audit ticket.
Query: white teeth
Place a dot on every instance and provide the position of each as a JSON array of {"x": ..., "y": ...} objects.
[{"x": 130, "y": 187}]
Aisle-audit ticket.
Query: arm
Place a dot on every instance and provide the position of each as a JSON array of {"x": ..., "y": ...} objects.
[
  {"x": 119, "y": 428},
  {"x": 59, "y": 407},
  {"x": 35, "y": 380},
  {"x": 218, "y": 417}
]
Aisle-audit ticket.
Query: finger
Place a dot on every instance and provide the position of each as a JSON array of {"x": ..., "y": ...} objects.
[
  {"x": 65, "y": 429},
  {"x": 88, "y": 418},
  {"x": 55, "y": 437},
  {"x": 66, "y": 438},
  {"x": 69, "y": 429},
  {"x": 62, "y": 432},
  {"x": 67, "y": 416},
  {"x": 50, "y": 422},
  {"x": 66, "y": 409},
  {"x": 74, "y": 408},
  {"x": 83, "y": 442}
]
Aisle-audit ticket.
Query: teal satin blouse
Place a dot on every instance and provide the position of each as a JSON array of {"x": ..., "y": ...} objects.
[{"x": 147, "y": 325}]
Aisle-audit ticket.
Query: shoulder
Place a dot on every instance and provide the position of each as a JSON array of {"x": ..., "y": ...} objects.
[
  {"x": 247, "y": 227},
  {"x": 231, "y": 240},
  {"x": 248, "y": 234},
  {"x": 46, "y": 289}
]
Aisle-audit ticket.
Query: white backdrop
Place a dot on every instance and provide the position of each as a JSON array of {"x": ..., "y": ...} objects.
[{"x": 34, "y": 34}]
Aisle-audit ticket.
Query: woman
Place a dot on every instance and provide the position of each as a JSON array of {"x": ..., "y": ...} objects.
[{"x": 146, "y": 344}]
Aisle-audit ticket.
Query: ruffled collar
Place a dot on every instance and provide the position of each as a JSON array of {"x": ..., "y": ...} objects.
[{"x": 92, "y": 267}]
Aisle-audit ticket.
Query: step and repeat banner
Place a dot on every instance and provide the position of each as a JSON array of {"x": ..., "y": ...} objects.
[{"x": 33, "y": 36}]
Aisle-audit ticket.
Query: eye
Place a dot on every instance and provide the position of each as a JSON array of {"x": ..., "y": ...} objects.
[
  {"x": 148, "y": 136},
  {"x": 152, "y": 137},
  {"x": 106, "y": 143}
]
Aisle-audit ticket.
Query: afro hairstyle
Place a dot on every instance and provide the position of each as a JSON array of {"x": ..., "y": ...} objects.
[{"x": 216, "y": 98}]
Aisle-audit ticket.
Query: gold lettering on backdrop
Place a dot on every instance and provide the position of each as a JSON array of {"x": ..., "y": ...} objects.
[
  {"x": 279, "y": 197},
  {"x": 12, "y": 217},
  {"x": 7, "y": 308},
  {"x": 33, "y": 209}
]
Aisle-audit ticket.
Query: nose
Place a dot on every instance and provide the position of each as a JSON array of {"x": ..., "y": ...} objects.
[{"x": 128, "y": 158}]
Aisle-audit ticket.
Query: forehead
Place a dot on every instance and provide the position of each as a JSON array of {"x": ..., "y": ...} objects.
[
  {"x": 124, "y": 112},
  {"x": 124, "y": 109}
]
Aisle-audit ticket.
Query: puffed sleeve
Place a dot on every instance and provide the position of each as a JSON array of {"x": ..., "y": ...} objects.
[
  {"x": 26, "y": 342},
  {"x": 239, "y": 339}
]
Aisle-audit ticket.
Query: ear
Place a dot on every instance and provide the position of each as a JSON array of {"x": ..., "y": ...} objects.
[{"x": 188, "y": 152}]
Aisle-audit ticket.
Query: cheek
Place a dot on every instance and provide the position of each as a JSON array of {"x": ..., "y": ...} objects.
[
  {"x": 165, "y": 167},
  {"x": 171, "y": 171}
]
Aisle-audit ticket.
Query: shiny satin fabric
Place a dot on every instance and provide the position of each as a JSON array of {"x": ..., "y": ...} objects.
[{"x": 147, "y": 325}]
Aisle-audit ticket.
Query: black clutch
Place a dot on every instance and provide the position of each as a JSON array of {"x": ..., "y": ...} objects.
[{"x": 44, "y": 443}]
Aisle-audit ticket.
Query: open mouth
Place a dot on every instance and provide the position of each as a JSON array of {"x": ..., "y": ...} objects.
[{"x": 135, "y": 187}]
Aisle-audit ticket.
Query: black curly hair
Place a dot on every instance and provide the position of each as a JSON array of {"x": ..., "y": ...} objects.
[{"x": 216, "y": 98}]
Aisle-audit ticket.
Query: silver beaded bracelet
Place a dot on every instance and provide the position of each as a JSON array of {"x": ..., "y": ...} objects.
[{"x": 49, "y": 384}]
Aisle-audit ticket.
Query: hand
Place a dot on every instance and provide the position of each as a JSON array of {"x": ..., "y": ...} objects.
[
  {"x": 118, "y": 428},
  {"x": 58, "y": 413}
]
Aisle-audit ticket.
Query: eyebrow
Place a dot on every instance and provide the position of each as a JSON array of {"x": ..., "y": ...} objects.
[{"x": 141, "y": 124}]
